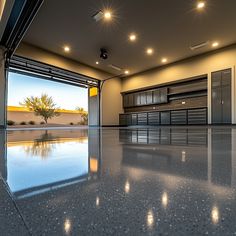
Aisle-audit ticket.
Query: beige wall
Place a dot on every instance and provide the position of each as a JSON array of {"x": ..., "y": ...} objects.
[
  {"x": 64, "y": 118},
  {"x": 205, "y": 64},
  {"x": 111, "y": 97},
  {"x": 111, "y": 102}
]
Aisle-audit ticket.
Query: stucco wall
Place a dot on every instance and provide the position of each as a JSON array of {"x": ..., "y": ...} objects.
[{"x": 64, "y": 118}]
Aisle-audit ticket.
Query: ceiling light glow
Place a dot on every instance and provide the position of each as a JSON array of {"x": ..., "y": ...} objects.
[
  {"x": 97, "y": 62},
  {"x": 126, "y": 72},
  {"x": 107, "y": 15},
  {"x": 132, "y": 37},
  {"x": 67, "y": 49},
  {"x": 215, "y": 44},
  {"x": 201, "y": 5},
  {"x": 164, "y": 60},
  {"x": 149, "y": 51}
]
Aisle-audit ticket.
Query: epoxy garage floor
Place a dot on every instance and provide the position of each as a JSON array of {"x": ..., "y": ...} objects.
[{"x": 137, "y": 181}]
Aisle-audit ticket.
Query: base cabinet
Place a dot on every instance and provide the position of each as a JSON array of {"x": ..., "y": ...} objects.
[{"x": 196, "y": 116}]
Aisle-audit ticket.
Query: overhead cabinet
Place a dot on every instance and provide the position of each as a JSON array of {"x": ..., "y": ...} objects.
[{"x": 149, "y": 97}]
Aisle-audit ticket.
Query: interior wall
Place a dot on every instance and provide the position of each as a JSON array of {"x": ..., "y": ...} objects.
[
  {"x": 110, "y": 97},
  {"x": 204, "y": 64},
  {"x": 111, "y": 102}
]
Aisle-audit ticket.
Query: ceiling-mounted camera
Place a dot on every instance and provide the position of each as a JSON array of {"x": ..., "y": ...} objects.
[{"x": 103, "y": 53}]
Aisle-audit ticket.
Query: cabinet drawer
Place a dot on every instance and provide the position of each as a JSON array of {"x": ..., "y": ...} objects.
[
  {"x": 197, "y": 116},
  {"x": 154, "y": 118},
  {"x": 179, "y": 117}
]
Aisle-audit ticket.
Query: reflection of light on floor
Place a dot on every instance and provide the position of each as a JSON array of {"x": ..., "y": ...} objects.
[
  {"x": 127, "y": 186},
  {"x": 93, "y": 165},
  {"x": 97, "y": 201},
  {"x": 150, "y": 219},
  {"x": 183, "y": 159},
  {"x": 164, "y": 199},
  {"x": 67, "y": 226},
  {"x": 215, "y": 215}
]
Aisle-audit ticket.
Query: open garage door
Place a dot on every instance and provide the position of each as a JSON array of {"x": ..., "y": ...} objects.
[{"x": 23, "y": 66}]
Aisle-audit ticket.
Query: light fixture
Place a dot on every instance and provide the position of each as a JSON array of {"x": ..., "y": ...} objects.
[
  {"x": 97, "y": 62},
  {"x": 199, "y": 45},
  {"x": 126, "y": 72},
  {"x": 67, "y": 49},
  {"x": 215, "y": 44},
  {"x": 107, "y": 15},
  {"x": 164, "y": 60},
  {"x": 149, "y": 51},
  {"x": 132, "y": 37},
  {"x": 201, "y": 5},
  {"x": 115, "y": 67}
]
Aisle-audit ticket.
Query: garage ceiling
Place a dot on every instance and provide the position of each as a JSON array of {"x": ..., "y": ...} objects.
[{"x": 169, "y": 27}]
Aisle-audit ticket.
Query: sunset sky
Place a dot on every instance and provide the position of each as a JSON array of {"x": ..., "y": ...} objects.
[{"x": 65, "y": 96}]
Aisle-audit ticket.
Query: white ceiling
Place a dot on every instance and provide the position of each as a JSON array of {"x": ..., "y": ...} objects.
[{"x": 170, "y": 27}]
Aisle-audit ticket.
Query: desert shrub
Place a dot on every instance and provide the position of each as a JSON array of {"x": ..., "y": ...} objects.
[
  {"x": 10, "y": 122},
  {"x": 42, "y": 123},
  {"x": 32, "y": 122},
  {"x": 71, "y": 123},
  {"x": 23, "y": 123}
]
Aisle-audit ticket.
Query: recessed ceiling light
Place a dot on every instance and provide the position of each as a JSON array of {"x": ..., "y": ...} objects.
[
  {"x": 149, "y": 51},
  {"x": 132, "y": 37},
  {"x": 164, "y": 60},
  {"x": 126, "y": 72},
  {"x": 201, "y": 5},
  {"x": 66, "y": 48},
  {"x": 97, "y": 62},
  {"x": 215, "y": 44},
  {"x": 107, "y": 15}
]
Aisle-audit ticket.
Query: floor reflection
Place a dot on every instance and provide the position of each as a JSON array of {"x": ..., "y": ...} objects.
[
  {"x": 203, "y": 154},
  {"x": 175, "y": 181},
  {"x": 50, "y": 160}
]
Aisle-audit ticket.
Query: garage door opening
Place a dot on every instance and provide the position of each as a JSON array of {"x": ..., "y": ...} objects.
[{"x": 33, "y": 101}]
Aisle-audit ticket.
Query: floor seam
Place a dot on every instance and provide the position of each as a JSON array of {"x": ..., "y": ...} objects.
[{"x": 16, "y": 206}]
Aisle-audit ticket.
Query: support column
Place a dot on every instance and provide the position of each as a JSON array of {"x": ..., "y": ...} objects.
[
  {"x": 93, "y": 106},
  {"x": 3, "y": 90}
]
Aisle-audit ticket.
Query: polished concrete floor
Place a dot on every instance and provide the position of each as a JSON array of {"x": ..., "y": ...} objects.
[{"x": 137, "y": 181}]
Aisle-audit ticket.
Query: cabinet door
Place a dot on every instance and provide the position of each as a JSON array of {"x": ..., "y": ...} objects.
[
  {"x": 216, "y": 97},
  {"x": 216, "y": 105},
  {"x": 226, "y": 96},
  {"x": 226, "y": 104},
  {"x": 143, "y": 98},
  {"x": 131, "y": 100},
  {"x": 163, "y": 95},
  {"x": 149, "y": 97},
  {"x": 125, "y": 100},
  {"x": 137, "y": 99},
  {"x": 134, "y": 119},
  {"x": 165, "y": 118},
  {"x": 156, "y": 96}
]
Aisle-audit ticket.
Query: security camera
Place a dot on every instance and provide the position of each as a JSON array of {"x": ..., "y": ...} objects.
[{"x": 103, "y": 53}]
